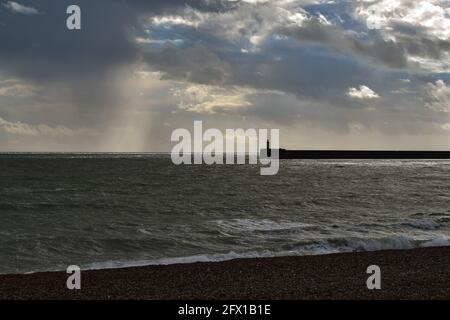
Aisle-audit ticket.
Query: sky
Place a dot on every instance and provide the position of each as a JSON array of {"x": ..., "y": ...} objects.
[{"x": 361, "y": 74}]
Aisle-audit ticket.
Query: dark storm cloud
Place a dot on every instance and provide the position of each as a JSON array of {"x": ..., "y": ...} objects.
[
  {"x": 418, "y": 28},
  {"x": 308, "y": 72},
  {"x": 393, "y": 45},
  {"x": 284, "y": 62},
  {"x": 309, "y": 69},
  {"x": 40, "y": 47},
  {"x": 193, "y": 64},
  {"x": 378, "y": 49},
  {"x": 415, "y": 40},
  {"x": 316, "y": 59}
]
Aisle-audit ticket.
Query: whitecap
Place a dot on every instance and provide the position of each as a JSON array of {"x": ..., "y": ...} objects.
[{"x": 424, "y": 224}]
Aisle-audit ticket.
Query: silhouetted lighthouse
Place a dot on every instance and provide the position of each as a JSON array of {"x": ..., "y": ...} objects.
[{"x": 269, "y": 151}]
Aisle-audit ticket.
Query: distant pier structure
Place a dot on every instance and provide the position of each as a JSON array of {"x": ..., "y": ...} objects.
[
  {"x": 363, "y": 154},
  {"x": 355, "y": 154}
]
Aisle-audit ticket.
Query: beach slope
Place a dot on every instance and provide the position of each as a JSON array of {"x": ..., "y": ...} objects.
[{"x": 405, "y": 274}]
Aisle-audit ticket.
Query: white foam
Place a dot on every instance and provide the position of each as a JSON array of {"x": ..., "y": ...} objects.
[
  {"x": 180, "y": 260},
  {"x": 424, "y": 224},
  {"x": 441, "y": 241},
  {"x": 396, "y": 242}
]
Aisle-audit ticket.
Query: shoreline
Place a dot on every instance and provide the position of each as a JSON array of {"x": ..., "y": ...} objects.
[{"x": 405, "y": 274}]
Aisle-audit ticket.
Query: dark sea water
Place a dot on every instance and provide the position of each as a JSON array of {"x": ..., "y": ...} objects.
[{"x": 111, "y": 210}]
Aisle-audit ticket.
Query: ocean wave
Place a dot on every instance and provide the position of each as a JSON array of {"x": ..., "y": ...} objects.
[
  {"x": 440, "y": 241},
  {"x": 259, "y": 225},
  {"x": 396, "y": 242},
  {"x": 424, "y": 224}
]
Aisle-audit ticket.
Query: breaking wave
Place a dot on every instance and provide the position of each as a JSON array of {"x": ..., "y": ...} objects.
[
  {"x": 424, "y": 224},
  {"x": 319, "y": 248}
]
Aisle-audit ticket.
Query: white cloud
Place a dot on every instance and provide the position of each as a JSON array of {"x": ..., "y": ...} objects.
[
  {"x": 446, "y": 126},
  {"x": 216, "y": 99},
  {"x": 256, "y": 1},
  {"x": 190, "y": 17},
  {"x": 249, "y": 24},
  {"x": 141, "y": 40},
  {"x": 19, "y": 8},
  {"x": 437, "y": 96},
  {"x": 410, "y": 22},
  {"x": 21, "y": 128},
  {"x": 363, "y": 92},
  {"x": 430, "y": 14},
  {"x": 13, "y": 88},
  {"x": 212, "y": 99}
]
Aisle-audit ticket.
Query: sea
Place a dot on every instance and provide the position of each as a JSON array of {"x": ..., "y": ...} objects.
[{"x": 116, "y": 210}]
